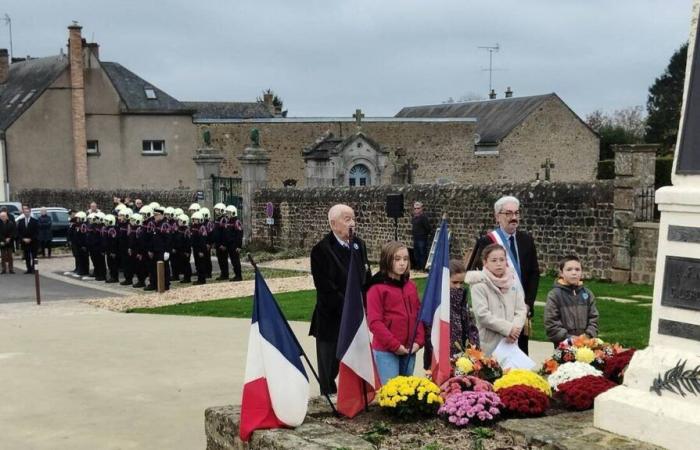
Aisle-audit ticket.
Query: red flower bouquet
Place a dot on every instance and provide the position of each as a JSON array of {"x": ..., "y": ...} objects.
[
  {"x": 579, "y": 394},
  {"x": 524, "y": 401},
  {"x": 463, "y": 383},
  {"x": 615, "y": 366}
]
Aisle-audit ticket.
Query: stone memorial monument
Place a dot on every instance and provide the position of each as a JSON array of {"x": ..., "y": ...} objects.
[
  {"x": 254, "y": 162},
  {"x": 207, "y": 161},
  {"x": 659, "y": 401}
]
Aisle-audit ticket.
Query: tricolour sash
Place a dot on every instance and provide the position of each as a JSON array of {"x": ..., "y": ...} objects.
[{"x": 497, "y": 236}]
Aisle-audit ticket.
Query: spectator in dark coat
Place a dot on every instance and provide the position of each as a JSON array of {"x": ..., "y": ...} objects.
[
  {"x": 7, "y": 242},
  {"x": 420, "y": 229},
  {"x": 45, "y": 233},
  {"x": 28, "y": 235}
]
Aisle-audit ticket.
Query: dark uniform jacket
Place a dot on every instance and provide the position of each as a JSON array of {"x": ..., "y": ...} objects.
[
  {"x": 30, "y": 231},
  {"x": 7, "y": 230},
  {"x": 233, "y": 233},
  {"x": 329, "y": 268}
]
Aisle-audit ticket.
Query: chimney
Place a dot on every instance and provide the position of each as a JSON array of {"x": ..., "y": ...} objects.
[
  {"x": 94, "y": 48},
  {"x": 77, "y": 86},
  {"x": 267, "y": 101},
  {"x": 4, "y": 65},
  {"x": 509, "y": 92},
  {"x": 492, "y": 94}
]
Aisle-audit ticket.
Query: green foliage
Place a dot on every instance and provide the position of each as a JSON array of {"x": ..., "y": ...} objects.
[
  {"x": 664, "y": 166},
  {"x": 377, "y": 433},
  {"x": 606, "y": 169},
  {"x": 433, "y": 446},
  {"x": 623, "y": 126},
  {"x": 664, "y": 102},
  {"x": 479, "y": 434}
]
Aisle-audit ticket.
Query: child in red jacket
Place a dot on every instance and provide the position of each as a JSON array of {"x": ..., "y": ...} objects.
[{"x": 392, "y": 313}]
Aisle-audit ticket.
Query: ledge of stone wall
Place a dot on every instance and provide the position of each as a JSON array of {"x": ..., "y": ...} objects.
[{"x": 79, "y": 199}]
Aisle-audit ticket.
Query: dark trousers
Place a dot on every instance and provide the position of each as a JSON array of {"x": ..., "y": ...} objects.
[
  {"x": 154, "y": 271},
  {"x": 75, "y": 252},
  {"x": 182, "y": 262},
  {"x": 222, "y": 258},
  {"x": 113, "y": 265},
  {"x": 45, "y": 245},
  {"x": 207, "y": 263},
  {"x": 98, "y": 262},
  {"x": 420, "y": 253},
  {"x": 523, "y": 341},
  {"x": 83, "y": 262},
  {"x": 126, "y": 263},
  {"x": 29, "y": 256},
  {"x": 235, "y": 260},
  {"x": 327, "y": 365},
  {"x": 140, "y": 267},
  {"x": 6, "y": 254},
  {"x": 200, "y": 267}
]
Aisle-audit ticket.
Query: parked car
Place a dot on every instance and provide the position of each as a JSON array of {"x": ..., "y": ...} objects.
[
  {"x": 14, "y": 208},
  {"x": 60, "y": 219}
]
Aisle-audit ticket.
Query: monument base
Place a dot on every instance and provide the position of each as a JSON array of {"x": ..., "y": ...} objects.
[{"x": 633, "y": 410}]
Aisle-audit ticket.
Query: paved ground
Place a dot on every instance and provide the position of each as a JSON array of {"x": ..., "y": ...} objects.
[
  {"x": 21, "y": 288},
  {"x": 78, "y": 377}
]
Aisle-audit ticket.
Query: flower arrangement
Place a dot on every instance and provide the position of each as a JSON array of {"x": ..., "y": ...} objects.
[
  {"x": 615, "y": 366},
  {"x": 473, "y": 361},
  {"x": 571, "y": 371},
  {"x": 462, "y": 383},
  {"x": 524, "y": 401},
  {"x": 583, "y": 349},
  {"x": 410, "y": 396},
  {"x": 580, "y": 393},
  {"x": 522, "y": 377},
  {"x": 471, "y": 407}
]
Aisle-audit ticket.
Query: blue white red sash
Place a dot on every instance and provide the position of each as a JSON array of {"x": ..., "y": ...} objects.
[{"x": 498, "y": 236}]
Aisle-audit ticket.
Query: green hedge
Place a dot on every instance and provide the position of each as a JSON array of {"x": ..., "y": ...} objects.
[
  {"x": 663, "y": 171},
  {"x": 606, "y": 169}
]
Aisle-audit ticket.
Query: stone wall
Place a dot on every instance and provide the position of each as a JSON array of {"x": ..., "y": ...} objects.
[
  {"x": 562, "y": 217},
  {"x": 80, "y": 199},
  {"x": 644, "y": 245}
]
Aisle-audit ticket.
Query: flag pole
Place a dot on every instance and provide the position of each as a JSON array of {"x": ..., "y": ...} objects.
[
  {"x": 351, "y": 235},
  {"x": 296, "y": 341}
]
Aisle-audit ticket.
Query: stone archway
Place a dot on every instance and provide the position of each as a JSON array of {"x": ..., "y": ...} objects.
[{"x": 359, "y": 175}]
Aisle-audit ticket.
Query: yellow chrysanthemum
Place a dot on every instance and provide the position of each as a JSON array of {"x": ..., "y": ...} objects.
[
  {"x": 524, "y": 377},
  {"x": 585, "y": 355},
  {"x": 464, "y": 365}
]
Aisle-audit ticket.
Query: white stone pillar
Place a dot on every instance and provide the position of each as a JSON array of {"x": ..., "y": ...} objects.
[
  {"x": 207, "y": 164},
  {"x": 254, "y": 162},
  {"x": 635, "y": 409}
]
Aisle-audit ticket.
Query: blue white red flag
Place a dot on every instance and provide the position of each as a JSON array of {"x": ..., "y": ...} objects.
[
  {"x": 357, "y": 374},
  {"x": 276, "y": 389},
  {"x": 435, "y": 307}
]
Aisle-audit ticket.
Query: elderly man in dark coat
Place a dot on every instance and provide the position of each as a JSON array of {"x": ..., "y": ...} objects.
[
  {"x": 28, "y": 235},
  {"x": 7, "y": 241},
  {"x": 330, "y": 260}
]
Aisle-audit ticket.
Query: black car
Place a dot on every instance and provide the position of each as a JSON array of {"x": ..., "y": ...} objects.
[{"x": 60, "y": 223}]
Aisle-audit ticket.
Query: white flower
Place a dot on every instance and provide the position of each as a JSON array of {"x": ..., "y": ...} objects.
[{"x": 571, "y": 371}]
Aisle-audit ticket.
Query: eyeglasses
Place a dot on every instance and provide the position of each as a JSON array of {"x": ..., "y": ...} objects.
[{"x": 510, "y": 213}]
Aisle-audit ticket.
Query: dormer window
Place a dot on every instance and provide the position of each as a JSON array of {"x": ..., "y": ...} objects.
[{"x": 150, "y": 93}]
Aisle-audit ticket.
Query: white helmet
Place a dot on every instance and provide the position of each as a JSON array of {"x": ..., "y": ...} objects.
[
  {"x": 219, "y": 209},
  {"x": 169, "y": 212},
  {"x": 154, "y": 205},
  {"x": 194, "y": 207},
  {"x": 80, "y": 216},
  {"x": 146, "y": 211},
  {"x": 183, "y": 220},
  {"x": 119, "y": 207},
  {"x": 110, "y": 220},
  {"x": 136, "y": 219},
  {"x": 178, "y": 212},
  {"x": 91, "y": 217},
  {"x": 205, "y": 213},
  {"x": 197, "y": 216},
  {"x": 100, "y": 216},
  {"x": 231, "y": 211}
]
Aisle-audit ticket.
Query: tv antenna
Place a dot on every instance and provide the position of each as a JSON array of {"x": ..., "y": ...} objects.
[
  {"x": 491, "y": 50},
  {"x": 8, "y": 22}
]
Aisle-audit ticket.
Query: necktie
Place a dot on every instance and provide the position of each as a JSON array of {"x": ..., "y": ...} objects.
[{"x": 513, "y": 251}]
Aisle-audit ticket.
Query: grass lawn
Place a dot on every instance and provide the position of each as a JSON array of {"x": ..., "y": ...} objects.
[{"x": 627, "y": 323}]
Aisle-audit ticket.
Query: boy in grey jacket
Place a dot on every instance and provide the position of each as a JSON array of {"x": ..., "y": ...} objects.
[{"x": 570, "y": 310}]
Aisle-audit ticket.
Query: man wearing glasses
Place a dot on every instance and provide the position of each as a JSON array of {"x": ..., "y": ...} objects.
[{"x": 521, "y": 254}]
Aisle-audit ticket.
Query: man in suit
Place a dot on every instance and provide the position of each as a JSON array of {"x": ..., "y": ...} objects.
[
  {"x": 28, "y": 235},
  {"x": 520, "y": 251},
  {"x": 330, "y": 260}
]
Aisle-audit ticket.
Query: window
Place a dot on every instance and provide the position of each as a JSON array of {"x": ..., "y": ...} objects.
[
  {"x": 93, "y": 148},
  {"x": 150, "y": 93},
  {"x": 359, "y": 175},
  {"x": 153, "y": 147}
]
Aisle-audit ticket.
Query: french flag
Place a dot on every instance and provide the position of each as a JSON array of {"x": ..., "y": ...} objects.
[
  {"x": 435, "y": 308},
  {"x": 357, "y": 375},
  {"x": 276, "y": 389}
]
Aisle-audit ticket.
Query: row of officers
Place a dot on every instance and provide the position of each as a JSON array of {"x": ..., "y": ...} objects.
[{"x": 125, "y": 247}]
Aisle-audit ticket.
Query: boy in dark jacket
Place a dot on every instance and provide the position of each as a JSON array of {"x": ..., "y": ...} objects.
[{"x": 570, "y": 310}]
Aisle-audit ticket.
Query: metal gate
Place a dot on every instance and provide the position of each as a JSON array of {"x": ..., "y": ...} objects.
[{"x": 228, "y": 190}]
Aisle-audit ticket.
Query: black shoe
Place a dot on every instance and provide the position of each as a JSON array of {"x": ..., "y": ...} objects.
[
  {"x": 197, "y": 283},
  {"x": 149, "y": 288},
  {"x": 139, "y": 285},
  {"x": 222, "y": 278},
  {"x": 239, "y": 278},
  {"x": 28, "y": 272},
  {"x": 12, "y": 272},
  {"x": 99, "y": 279},
  {"x": 126, "y": 283},
  {"x": 185, "y": 281},
  {"x": 111, "y": 280}
]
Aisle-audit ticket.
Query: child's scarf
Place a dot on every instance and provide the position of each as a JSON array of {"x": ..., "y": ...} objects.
[{"x": 503, "y": 283}]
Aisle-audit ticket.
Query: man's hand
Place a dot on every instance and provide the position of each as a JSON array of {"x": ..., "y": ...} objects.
[
  {"x": 238, "y": 250},
  {"x": 514, "y": 334},
  {"x": 415, "y": 348},
  {"x": 222, "y": 247},
  {"x": 26, "y": 240},
  {"x": 201, "y": 255},
  {"x": 128, "y": 252},
  {"x": 166, "y": 256},
  {"x": 150, "y": 255},
  {"x": 401, "y": 351}
]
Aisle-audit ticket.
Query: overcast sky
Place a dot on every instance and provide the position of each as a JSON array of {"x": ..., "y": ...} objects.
[{"x": 326, "y": 58}]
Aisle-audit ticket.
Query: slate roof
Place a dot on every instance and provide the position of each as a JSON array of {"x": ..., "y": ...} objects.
[
  {"x": 27, "y": 77},
  {"x": 495, "y": 118},
  {"x": 131, "y": 90},
  {"x": 228, "y": 110},
  {"x": 329, "y": 144}
]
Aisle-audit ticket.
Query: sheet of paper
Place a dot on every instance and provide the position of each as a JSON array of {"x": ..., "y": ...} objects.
[{"x": 509, "y": 356}]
